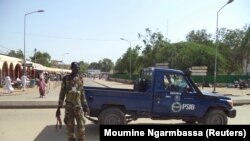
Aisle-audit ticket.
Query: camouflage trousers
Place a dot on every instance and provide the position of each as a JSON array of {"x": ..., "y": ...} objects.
[{"x": 73, "y": 114}]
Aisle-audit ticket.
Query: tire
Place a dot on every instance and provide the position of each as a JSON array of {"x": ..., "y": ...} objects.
[
  {"x": 112, "y": 116},
  {"x": 215, "y": 117}
]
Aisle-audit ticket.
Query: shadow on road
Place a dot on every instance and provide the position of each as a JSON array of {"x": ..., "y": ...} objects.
[{"x": 49, "y": 133}]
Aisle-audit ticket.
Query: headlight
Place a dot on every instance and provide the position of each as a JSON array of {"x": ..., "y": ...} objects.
[{"x": 230, "y": 102}]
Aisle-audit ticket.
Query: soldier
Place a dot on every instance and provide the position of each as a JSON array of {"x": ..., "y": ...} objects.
[{"x": 75, "y": 103}]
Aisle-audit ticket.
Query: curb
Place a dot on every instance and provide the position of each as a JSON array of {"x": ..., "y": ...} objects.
[
  {"x": 241, "y": 102},
  {"x": 28, "y": 104},
  {"x": 54, "y": 104}
]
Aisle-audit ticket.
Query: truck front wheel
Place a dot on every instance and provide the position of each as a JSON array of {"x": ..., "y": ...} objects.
[
  {"x": 215, "y": 117},
  {"x": 112, "y": 116}
]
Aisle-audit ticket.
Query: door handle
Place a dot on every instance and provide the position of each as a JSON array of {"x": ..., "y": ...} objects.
[{"x": 167, "y": 96}]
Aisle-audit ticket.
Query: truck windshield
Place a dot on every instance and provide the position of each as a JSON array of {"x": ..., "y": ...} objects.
[{"x": 175, "y": 82}]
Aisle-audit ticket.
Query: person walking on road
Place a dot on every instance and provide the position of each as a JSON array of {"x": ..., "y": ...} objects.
[
  {"x": 75, "y": 103},
  {"x": 24, "y": 81},
  {"x": 8, "y": 85},
  {"x": 42, "y": 86}
]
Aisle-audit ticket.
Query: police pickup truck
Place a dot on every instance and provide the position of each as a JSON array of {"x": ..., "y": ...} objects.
[{"x": 159, "y": 94}]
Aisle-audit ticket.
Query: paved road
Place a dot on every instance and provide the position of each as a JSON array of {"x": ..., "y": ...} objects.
[
  {"x": 30, "y": 99},
  {"x": 36, "y": 125},
  {"x": 39, "y": 124}
]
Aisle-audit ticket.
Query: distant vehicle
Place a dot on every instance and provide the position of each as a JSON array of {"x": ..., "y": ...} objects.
[
  {"x": 159, "y": 94},
  {"x": 244, "y": 84}
]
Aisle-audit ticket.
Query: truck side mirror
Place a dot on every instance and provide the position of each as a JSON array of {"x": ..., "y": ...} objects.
[
  {"x": 140, "y": 75},
  {"x": 188, "y": 72}
]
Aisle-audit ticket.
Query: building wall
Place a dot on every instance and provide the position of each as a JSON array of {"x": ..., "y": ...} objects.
[
  {"x": 94, "y": 71},
  {"x": 11, "y": 66}
]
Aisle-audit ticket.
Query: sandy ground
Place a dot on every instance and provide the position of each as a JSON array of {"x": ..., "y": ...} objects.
[
  {"x": 221, "y": 90},
  {"x": 228, "y": 91},
  {"x": 52, "y": 85},
  {"x": 34, "y": 90}
]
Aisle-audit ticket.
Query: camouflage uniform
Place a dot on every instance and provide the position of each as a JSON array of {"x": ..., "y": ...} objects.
[{"x": 75, "y": 105}]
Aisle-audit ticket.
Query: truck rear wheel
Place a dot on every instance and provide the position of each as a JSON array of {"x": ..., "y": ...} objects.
[
  {"x": 215, "y": 117},
  {"x": 112, "y": 116}
]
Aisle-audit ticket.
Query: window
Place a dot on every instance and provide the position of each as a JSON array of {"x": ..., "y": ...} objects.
[
  {"x": 147, "y": 75},
  {"x": 175, "y": 82}
]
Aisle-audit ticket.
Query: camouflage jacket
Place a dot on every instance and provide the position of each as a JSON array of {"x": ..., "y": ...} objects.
[{"x": 72, "y": 89}]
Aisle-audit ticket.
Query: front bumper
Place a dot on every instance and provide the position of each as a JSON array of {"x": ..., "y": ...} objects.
[{"x": 231, "y": 113}]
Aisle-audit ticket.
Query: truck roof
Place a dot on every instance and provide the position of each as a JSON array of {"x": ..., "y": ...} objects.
[{"x": 164, "y": 69}]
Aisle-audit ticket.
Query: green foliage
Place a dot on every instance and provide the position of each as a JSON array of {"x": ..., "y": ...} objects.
[
  {"x": 42, "y": 58},
  {"x": 199, "y": 36},
  {"x": 188, "y": 54},
  {"x": 131, "y": 56},
  {"x": 233, "y": 47},
  {"x": 245, "y": 44},
  {"x": 105, "y": 65},
  {"x": 83, "y": 66},
  {"x": 199, "y": 50},
  {"x": 94, "y": 65},
  {"x": 18, "y": 54}
]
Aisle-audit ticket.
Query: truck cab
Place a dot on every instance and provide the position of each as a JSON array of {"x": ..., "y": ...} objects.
[{"x": 162, "y": 94}]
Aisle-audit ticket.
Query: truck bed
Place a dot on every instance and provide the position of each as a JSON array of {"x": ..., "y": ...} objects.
[
  {"x": 98, "y": 98},
  {"x": 106, "y": 89}
]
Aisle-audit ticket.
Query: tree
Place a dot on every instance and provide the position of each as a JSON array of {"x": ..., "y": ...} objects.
[
  {"x": 167, "y": 54},
  {"x": 119, "y": 65},
  {"x": 184, "y": 55},
  {"x": 153, "y": 42},
  {"x": 233, "y": 51},
  {"x": 123, "y": 64},
  {"x": 231, "y": 38},
  {"x": 199, "y": 36},
  {"x": 94, "y": 65},
  {"x": 230, "y": 45},
  {"x": 106, "y": 65},
  {"x": 18, "y": 54},
  {"x": 42, "y": 58},
  {"x": 83, "y": 66},
  {"x": 245, "y": 47}
]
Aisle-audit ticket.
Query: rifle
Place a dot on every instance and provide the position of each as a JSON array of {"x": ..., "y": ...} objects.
[{"x": 59, "y": 120}]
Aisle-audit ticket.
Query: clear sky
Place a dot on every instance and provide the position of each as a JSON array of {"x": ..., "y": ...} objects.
[{"x": 90, "y": 30}]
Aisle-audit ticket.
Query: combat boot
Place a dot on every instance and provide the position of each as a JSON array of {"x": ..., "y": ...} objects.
[
  {"x": 72, "y": 139},
  {"x": 80, "y": 139}
]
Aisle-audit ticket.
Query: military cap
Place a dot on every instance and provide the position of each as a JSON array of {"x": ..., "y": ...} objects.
[{"x": 75, "y": 64}]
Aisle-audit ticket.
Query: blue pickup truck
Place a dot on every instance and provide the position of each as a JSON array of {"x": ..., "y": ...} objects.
[{"x": 159, "y": 94}]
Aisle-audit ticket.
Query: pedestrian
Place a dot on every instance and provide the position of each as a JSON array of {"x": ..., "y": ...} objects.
[
  {"x": 24, "y": 81},
  {"x": 46, "y": 78},
  {"x": 75, "y": 103},
  {"x": 41, "y": 84},
  {"x": 8, "y": 85}
]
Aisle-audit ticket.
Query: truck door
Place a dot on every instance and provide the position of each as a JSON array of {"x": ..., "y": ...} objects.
[
  {"x": 176, "y": 98},
  {"x": 163, "y": 96},
  {"x": 189, "y": 98}
]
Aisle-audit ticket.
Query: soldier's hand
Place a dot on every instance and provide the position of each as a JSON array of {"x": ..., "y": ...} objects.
[
  {"x": 86, "y": 111},
  {"x": 58, "y": 116},
  {"x": 58, "y": 112}
]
